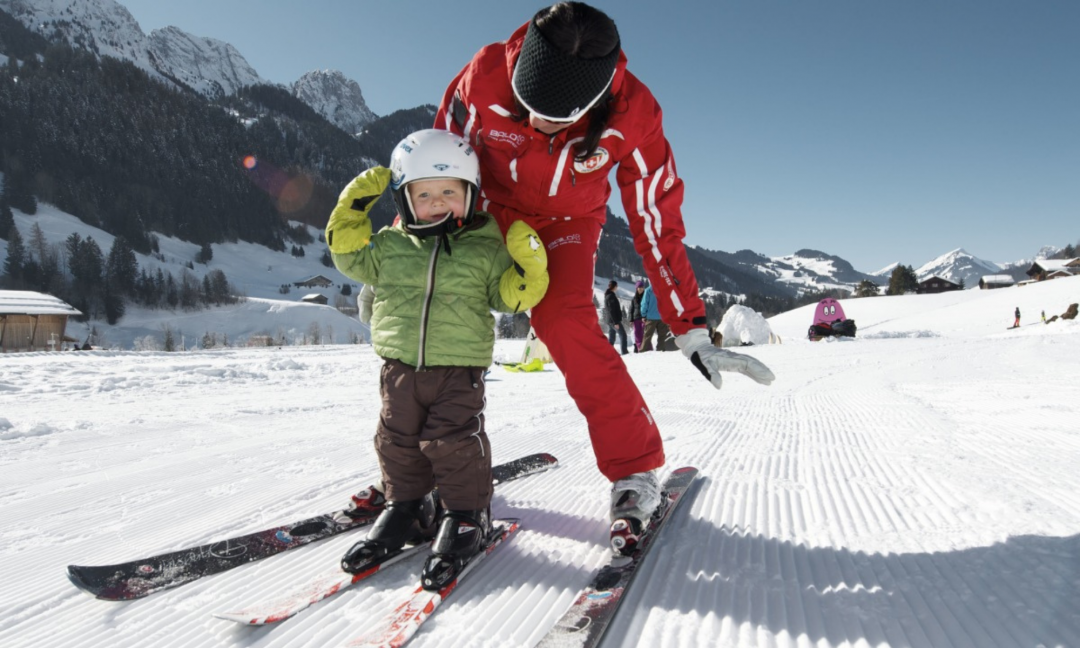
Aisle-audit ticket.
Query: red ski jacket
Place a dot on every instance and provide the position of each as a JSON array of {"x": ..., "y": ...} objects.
[{"x": 528, "y": 175}]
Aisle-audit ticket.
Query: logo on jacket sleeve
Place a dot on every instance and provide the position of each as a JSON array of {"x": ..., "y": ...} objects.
[{"x": 595, "y": 161}]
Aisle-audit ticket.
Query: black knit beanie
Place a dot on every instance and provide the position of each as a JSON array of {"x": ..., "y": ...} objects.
[{"x": 557, "y": 86}]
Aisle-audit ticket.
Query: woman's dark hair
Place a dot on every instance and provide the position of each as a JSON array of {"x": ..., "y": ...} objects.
[{"x": 588, "y": 33}]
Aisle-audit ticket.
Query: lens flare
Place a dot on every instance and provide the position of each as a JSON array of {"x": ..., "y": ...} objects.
[{"x": 250, "y": 162}]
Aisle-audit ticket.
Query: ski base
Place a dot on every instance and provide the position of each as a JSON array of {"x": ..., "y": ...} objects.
[
  {"x": 139, "y": 578},
  {"x": 588, "y": 618}
]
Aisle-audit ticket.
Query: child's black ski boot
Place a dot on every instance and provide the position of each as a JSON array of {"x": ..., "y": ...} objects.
[
  {"x": 400, "y": 523},
  {"x": 462, "y": 535}
]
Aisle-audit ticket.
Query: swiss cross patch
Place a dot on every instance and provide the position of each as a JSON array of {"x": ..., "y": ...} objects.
[{"x": 595, "y": 161}]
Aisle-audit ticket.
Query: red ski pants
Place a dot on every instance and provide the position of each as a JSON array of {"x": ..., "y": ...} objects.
[{"x": 624, "y": 435}]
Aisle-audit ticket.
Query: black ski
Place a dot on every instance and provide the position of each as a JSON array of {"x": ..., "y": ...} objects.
[
  {"x": 138, "y": 578},
  {"x": 584, "y": 623}
]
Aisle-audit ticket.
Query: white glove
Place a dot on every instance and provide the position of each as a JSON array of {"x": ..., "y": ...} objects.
[
  {"x": 710, "y": 361},
  {"x": 367, "y": 296}
]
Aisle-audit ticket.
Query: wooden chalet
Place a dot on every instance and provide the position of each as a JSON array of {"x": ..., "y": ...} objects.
[
  {"x": 32, "y": 321},
  {"x": 989, "y": 282},
  {"x": 318, "y": 281},
  {"x": 935, "y": 284},
  {"x": 1042, "y": 269},
  {"x": 314, "y": 298}
]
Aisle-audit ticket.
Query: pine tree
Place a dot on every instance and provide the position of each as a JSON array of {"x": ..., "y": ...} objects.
[
  {"x": 16, "y": 255},
  {"x": 902, "y": 280},
  {"x": 170, "y": 339},
  {"x": 7, "y": 218},
  {"x": 38, "y": 245},
  {"x": 122, "y": 268},
  {"x": 113, "y": 304},
  {"x": 866, "y": 288}
]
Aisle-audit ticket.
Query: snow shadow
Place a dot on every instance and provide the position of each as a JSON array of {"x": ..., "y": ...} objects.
[{"x": 1021, "y": 592}]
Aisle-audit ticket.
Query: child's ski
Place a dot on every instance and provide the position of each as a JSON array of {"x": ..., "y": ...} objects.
[
  {"x": 138, "y": 578},
  {"x": 400, "y": 626},
  {"x": 324, "y": 586}
]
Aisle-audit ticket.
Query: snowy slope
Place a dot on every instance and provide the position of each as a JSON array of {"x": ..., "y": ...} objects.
[
  {"x": 915, "y": 486},
  {"x": 255, "y": 271}
]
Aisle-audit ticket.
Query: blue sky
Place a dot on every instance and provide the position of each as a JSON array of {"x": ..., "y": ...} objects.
[{"x": 880, "y": 131}]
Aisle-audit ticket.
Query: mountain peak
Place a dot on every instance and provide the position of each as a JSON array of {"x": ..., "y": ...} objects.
[
  {"x": 958, "y": 266},
  {"x": 211, "y": 67},
  {"x": 335, "y": 97}
]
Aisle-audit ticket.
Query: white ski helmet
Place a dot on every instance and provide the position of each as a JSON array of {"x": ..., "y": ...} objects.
[{"x": 427, "y": 155}]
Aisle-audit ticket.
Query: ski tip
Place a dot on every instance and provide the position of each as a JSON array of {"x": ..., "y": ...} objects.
[
  {"x": 549, "y": 458},
  {"x": 75, "y": 575},
  {"x": 237, "y": 617}
]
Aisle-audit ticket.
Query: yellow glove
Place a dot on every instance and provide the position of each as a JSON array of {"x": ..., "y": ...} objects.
[
  {"x": 523, "y": 285},
  {"x": 349, "y": 228}
]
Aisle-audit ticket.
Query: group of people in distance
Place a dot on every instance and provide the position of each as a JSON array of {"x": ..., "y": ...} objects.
[
  {"x": 644, "y": 315},
  {"x": 500, "y": 207}
]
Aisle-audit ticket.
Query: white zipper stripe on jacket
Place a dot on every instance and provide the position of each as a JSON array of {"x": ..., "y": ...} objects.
[
  {"x": 562, "y": 164},
  {"x": 642, "y": 210},
  {"x": 425, "y": 311}
]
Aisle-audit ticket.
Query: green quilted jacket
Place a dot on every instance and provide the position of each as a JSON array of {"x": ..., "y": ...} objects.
[{"x": 433, "y": 308}]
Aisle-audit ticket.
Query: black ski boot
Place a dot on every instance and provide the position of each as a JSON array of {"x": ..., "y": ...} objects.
[
  {"x": 400, "y": 523},
  {"x": 462, "y": 535}
]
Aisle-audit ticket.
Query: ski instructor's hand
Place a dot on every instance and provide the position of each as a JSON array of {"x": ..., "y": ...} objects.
[{"x": 710, "y": 361}]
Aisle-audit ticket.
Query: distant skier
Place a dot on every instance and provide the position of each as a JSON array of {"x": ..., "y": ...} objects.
[
  {"x": 432, "y": 325},
  {"x": 1044, "y": 317},
  {"x": 1016, "y": 324}
]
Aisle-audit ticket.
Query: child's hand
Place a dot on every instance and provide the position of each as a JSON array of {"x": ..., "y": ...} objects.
[
  {"x": 523, "y": 285},
  {"x": 349, "y": 228}
]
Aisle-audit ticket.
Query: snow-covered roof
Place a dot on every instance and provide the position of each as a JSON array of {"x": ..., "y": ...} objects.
[
  {"x": 27, "y": 302},
  {"x": 998, "y": 279},
  {"x": 1050, "y": 265}
]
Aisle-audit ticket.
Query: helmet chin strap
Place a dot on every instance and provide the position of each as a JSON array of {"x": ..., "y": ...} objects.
[{"x": 427, "y": 228}]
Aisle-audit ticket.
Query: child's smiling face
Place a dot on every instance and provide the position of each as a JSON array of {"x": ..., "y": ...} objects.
[{"x": 433, "y": 199}]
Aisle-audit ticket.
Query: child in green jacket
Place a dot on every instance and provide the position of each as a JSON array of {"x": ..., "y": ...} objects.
[{"x": 440, "y": 270}]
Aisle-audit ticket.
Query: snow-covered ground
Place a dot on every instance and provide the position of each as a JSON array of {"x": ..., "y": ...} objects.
[{"x": 916, "y": 486}]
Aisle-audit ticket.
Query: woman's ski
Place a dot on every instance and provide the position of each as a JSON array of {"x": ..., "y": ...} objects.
[{"x": 584, "y": 623}]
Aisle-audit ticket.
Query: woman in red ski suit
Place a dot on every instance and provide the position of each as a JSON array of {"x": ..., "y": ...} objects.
[{"x": 532, "y": 135}]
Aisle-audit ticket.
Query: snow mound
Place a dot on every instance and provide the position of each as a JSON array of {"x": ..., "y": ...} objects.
[{"x": 744, "y": 326}]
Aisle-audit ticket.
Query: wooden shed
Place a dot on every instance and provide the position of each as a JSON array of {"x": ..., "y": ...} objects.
[
  {"x": 32, "y": 321},
  {"x": 989, "y": 282},
  {"x": 318, "y": 281},
  {"x": 935, "y": 284}
]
